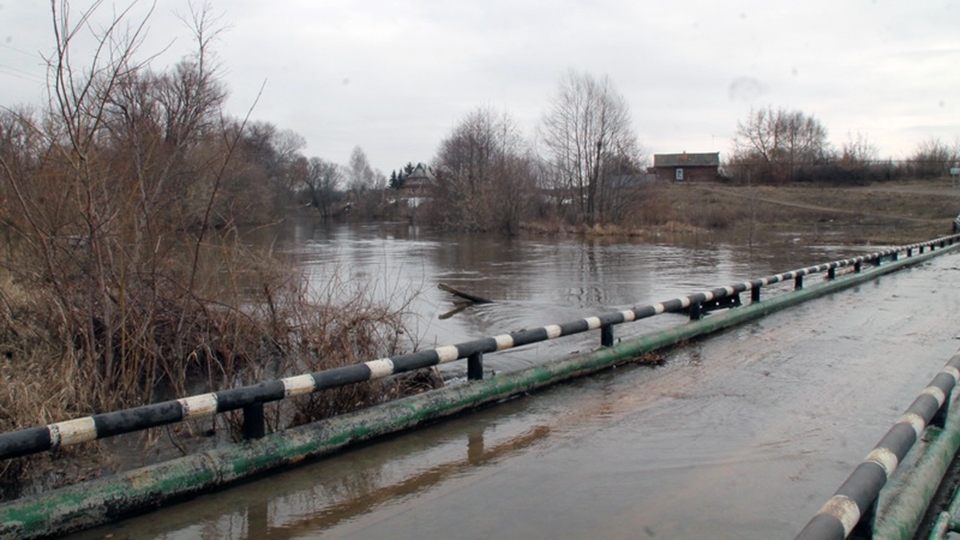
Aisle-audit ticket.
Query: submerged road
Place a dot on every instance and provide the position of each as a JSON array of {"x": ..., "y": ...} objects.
[{"x": 741, "y": 435}]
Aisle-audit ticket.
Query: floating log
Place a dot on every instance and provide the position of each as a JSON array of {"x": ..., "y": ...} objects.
[{"x": 465, "y": 296}]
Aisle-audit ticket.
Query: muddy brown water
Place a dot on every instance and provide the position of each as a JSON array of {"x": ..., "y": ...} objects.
[{"x": 741, "y": 435}]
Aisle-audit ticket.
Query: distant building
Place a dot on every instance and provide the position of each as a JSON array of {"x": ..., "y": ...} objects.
[
  {"x": 418, "y": 186},
  {"x": 687, "y": 167},
  {"x": 420, "y": 179}
]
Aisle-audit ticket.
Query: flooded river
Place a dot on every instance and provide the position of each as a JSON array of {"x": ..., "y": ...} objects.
[
  {"x": 533, "y": 280},
  {"x": 742, "y": 435}
]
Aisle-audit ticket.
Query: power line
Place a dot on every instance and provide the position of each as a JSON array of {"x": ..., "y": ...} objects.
[
  {"x": 21, "y": 51},
  {"x": 18, "y": 74}
]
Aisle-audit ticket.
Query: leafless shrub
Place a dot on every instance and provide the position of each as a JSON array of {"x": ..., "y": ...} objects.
[
  {"x": 770, "y": 146},
  {"x": 125, "y": 277},
  {"x": 593, "y": 151},
  {"x": 484, "y": 175}
]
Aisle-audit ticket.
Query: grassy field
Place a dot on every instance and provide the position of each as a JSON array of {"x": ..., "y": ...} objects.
[{"x": 887, "y": 213}]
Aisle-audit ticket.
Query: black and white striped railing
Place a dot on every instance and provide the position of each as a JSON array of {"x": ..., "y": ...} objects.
[
  {"x": 858, "y": 494},
  {"x": 251, "y": 398}
]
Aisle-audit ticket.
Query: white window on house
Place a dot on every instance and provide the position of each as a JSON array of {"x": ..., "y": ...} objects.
[{"x": 679, "y": 174}]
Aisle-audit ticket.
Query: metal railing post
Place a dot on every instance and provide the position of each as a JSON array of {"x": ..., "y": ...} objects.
[
  {"x": 475, "y": 366},
  {"x": 254, "y": 425},
  {"x": 939, "y": 419},
  {"x": 865, "y": 527},
  {"x": 798, "y": 282},
  {"x": 606, "y": 335}
]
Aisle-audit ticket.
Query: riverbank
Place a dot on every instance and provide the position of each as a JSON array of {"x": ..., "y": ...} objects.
[{"x": 886, "y": 213}]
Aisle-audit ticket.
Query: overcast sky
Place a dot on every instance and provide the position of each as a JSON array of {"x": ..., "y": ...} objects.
[{"x": 394, "y": 77}]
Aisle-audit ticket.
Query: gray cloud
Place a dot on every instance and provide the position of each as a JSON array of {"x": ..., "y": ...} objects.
[{"x": 395, "y": 76}]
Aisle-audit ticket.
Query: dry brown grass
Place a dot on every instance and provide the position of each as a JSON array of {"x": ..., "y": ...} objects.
[
  {"x": 122, "y": 279},
  {"x": 672, "y": 227},
  {"x": 897, "y": 212},
  {"x": 257, "y": 321}
]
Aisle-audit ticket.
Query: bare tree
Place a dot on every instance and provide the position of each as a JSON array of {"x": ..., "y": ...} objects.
[
  {"x": 483, "y": 174},
  {"x": 323, "y": 180},
  {"x": 287, "y": 146},
  {"x": 361, "y": 174},
  {"x": 366, "y": 187},
  {"x": 515, "y": 189},
  {"x": 588, "y": 134},
  {"x": 933, "y": 158},
  {"x": 772, "y": 144},
  {"x": 99, "y": 190},
  {"x": 857, "y": 151},
  {"x": 274, "y": 154},
  {"x": 122, "y": 272}
]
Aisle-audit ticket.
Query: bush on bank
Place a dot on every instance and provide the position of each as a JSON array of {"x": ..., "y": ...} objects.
[{"x": 124, "y": 277}]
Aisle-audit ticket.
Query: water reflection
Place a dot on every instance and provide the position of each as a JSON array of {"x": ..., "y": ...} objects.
[
  {"x": 325, "y": 516},
  {"x": 309, "y": 501}
]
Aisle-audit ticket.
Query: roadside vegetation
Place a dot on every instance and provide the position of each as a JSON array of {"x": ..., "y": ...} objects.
[{"x": 124, "y": 278}]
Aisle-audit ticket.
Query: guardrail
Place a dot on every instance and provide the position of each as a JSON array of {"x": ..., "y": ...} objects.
[
  {"x": 853, "y": 507},
  {"x": 251, "y": 398}
]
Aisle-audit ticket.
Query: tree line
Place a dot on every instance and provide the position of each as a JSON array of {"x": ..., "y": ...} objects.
[
  {"x": 582, "y": 166},
  {"x": 774, "y": 146},
  {"x": 585, "y": 167}
]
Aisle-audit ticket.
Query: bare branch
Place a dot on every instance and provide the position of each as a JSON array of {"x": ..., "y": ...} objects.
[{"x": 587, "y": 129}]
